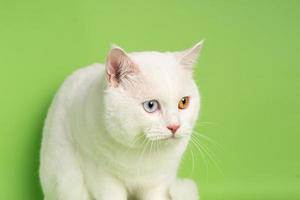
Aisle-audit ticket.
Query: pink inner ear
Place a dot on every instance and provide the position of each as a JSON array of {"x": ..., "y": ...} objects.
[
  {"x": 112, "y": 71},
  {"x": 113, "y": 67},
  {"x": 118, "y": 66}
]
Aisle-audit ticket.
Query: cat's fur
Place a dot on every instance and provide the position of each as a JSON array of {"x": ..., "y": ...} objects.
[{"x": 99, "y": 142}]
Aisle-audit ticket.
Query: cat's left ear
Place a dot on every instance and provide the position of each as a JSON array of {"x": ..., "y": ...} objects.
[{"x": 188, "y": 58}]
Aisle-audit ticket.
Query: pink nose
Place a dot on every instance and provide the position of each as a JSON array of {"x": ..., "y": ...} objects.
[{"x": 173, "y": 128}]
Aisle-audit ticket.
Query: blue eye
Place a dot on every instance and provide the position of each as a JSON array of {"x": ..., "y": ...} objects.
[{"x": 151, "y": 106}]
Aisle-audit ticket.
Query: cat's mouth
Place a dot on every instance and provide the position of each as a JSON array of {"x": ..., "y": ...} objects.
[
  {"x": 164, "y": 137},
  {"x": 161, "y": 138},
  {"x": 160, "y": 135}
]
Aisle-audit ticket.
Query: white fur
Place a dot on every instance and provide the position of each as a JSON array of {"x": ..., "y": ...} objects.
[{"x": 98, "y": 141}]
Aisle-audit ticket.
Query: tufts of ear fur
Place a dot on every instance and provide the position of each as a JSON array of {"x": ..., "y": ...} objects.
[
  {"x": 118, "y": 66},
  {"x": 189, "y": 57}
]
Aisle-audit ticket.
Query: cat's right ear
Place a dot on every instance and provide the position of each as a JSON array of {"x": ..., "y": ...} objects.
[
  {"x": 118, "y": 66},
  {"x": 189, "y": 57}
]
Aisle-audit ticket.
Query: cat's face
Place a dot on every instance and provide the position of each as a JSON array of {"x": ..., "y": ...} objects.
[{"x": 151, "y": 95}]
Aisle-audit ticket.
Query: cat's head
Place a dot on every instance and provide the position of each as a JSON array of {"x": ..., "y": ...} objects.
[{"x": 151, "y": 95}]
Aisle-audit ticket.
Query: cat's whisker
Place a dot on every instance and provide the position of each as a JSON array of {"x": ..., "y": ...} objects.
[
  {"x": 137, "y": 139},
  {"x": 155, "y": 135},
  {"x": 206, "y": 147},
  {"x": 193, "y": 161},
  {"x": 208, "y": 139},
  {"x": 150, "y": 151},
  {"x": 158, "y": 138},
  {"x": 202, "y": 155},
  {"x": 158, "y": 144},
  {"x": 209, "y": 154}
]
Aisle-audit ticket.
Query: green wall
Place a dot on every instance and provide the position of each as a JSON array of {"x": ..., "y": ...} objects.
[{"x": 249, "y": 76}]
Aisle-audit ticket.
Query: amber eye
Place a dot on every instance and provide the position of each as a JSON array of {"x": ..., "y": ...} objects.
[{"x": 184, "y": 102}]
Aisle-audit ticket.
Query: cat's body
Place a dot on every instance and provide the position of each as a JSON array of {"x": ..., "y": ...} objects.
[{"x": 99, "y": 143}]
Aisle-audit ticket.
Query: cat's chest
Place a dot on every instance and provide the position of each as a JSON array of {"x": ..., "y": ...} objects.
[
  {"x": 136, "y": 171},
  {"x": 137, "y": 167}
]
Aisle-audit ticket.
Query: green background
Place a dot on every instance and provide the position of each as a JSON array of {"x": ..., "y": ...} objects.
[{"x": 249, "y": 76}]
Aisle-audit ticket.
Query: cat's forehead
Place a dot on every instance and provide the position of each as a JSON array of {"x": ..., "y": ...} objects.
[
  {"x": 162, "y": 76},
  {"x": 154, "y": 60},
  {"x": 156, "y": 66}
]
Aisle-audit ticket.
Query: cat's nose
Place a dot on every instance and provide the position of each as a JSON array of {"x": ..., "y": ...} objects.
[{"x": 173, "y": 128}]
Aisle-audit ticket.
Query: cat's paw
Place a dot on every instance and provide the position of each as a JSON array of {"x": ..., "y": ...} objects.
[{"x": 184, "y": 189}]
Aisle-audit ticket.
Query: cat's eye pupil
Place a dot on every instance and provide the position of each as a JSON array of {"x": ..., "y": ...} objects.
[
  {"x": 150, "y": 104},
  {"x": 183, "y": 100}
]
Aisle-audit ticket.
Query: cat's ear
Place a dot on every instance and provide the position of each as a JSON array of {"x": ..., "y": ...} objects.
[
  {"x": 189, "y": 57},
  {"x": 118, "y": 65}
]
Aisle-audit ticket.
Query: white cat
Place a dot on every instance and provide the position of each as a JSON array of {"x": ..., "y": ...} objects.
[{"x": 118, "y": 131}]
